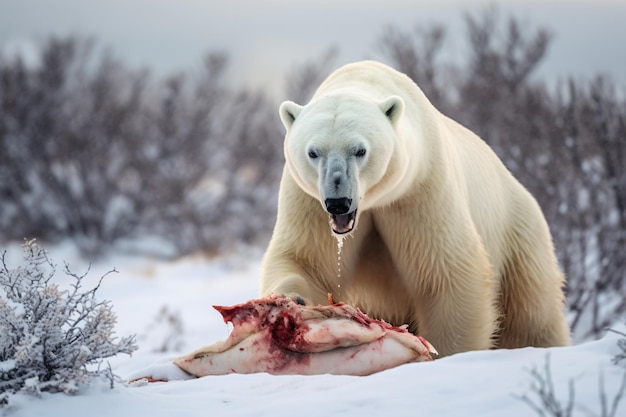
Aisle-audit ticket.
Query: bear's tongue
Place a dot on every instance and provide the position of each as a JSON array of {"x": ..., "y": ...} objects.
[{"x": 342, "y": 223}]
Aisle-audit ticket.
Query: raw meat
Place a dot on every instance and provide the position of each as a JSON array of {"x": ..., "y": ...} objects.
[{"x": 279, "y": 336}]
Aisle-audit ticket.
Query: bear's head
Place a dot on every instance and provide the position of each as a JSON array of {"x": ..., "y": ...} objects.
[{"x": 341, "y": 149}]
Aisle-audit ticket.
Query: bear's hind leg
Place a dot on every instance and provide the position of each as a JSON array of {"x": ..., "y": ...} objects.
[{"x": 532, "y": 302}]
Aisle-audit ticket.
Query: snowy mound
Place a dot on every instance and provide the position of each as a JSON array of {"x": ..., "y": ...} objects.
[{"x": 485, "y": 383}]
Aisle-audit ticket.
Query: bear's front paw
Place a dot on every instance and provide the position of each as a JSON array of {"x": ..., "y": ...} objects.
[{"x": 296, "y": 299}]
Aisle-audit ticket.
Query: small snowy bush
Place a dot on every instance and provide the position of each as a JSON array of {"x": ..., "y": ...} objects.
[{"x": 51, "y": 339}]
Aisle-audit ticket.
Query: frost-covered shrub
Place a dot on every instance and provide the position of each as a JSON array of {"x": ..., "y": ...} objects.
[{"x": 51, "y": 339}]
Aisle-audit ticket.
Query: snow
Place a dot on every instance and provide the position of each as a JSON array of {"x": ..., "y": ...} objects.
[
  {"x": 485, "y": 383},
  {"x": 7, "y": 365}
]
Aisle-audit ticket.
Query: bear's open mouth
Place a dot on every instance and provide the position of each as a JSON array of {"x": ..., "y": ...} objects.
[{"x": 342, "y": 223}]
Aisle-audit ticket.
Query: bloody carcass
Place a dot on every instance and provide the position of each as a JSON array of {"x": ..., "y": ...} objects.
[{"x": 279, "y": 336}]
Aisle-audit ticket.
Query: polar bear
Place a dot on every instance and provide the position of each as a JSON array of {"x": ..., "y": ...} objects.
[{"x": 435, "y": 231}]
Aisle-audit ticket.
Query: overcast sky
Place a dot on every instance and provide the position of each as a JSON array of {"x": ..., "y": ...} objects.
[{"x": 266, "y": 38}]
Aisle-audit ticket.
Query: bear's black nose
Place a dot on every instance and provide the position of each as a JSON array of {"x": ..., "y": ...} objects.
[{"x": 338, "y": 205}]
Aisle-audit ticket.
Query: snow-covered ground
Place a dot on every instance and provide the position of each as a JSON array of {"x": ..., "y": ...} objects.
[{"x": 169, "y": 303}]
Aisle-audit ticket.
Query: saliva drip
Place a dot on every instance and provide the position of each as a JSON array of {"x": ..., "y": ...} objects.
[{"x": 339, "y": 248}]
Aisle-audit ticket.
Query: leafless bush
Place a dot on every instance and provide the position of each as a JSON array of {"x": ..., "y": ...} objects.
[
  {"x": 417, "y": 55},
  {"x": 496, "y": 97},
  {"x": 49, "y": 336},
  {"x": 96, "y": 152},
  {"x": 165, "y": 333},
  {"x": 305, "y": 78},
  {"x": 621, "y": 344},
  {"x": 590, "y": 222},
  {"x": 178, "y": 152},
  {"x": 63, "y": 132},
  {"x": 545, "y": 402}
]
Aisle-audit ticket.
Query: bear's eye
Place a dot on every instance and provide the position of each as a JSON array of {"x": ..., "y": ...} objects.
[
  {"x": 312, "y": 154},
  {"x": 360, "y": 152}
]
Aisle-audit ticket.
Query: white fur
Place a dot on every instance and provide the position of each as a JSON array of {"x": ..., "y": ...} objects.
[{"x": 445, "y": 240}]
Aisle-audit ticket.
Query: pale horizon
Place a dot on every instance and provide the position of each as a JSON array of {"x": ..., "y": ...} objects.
[{"x": 265, "y": 40}]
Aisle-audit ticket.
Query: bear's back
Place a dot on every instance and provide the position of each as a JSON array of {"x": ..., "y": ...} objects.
[{"x": 372, "y": 79}]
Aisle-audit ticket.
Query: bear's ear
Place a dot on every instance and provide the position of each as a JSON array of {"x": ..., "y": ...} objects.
[
  {"x": 289, "y": 111},
  {"x": 393, "y": 107}
]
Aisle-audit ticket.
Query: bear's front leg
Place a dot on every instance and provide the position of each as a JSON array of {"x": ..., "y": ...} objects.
[
  {"x": 286, "y": 278},
  {"x": 458, "y": 317}
]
